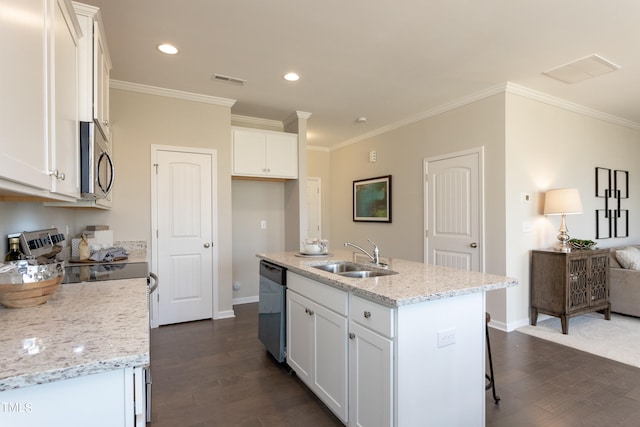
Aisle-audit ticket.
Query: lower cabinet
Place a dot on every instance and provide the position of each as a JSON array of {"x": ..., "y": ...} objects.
[
  {"x": 370, "y": 378},
  {"x": 108, "y": 399},
  {"x": 317, "y": 340},
  {"x": 380, "y": 366}
]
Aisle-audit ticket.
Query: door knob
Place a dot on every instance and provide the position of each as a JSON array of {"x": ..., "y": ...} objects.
[
  {"x": 206, "y": 245},
  {"x": 474, "y": 245}
]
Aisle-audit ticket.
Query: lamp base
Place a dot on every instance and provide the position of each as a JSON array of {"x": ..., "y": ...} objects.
[{"x": 563, "y": 237}]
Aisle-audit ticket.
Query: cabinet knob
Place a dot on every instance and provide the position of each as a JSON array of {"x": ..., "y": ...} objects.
[
  {"x": 473, "y": 245},
  {"x": 367, "y": 314},
  {"x": 206, "y": 245},
  {"x": 310, "y": 312},
  {"x": 352, "y": 335}
]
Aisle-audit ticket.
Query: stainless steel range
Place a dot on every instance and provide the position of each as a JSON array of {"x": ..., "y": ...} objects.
[{"x": 98, "y": 272}]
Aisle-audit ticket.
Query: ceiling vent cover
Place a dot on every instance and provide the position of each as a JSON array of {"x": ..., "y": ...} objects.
[
  {"x": 227, "y": 79},
  {"x": 582, "y": 69}
]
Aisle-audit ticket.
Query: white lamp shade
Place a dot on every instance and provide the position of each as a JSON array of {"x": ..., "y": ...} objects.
[{"x": 562, "y": 201}]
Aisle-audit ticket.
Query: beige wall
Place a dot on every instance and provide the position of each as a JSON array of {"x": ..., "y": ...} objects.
[
  {"x": 253, "y": 202},
  {"x": 140, "y": 120},
  {"x": 549, "y": 147},
  {"x": 401, "y": 153}
]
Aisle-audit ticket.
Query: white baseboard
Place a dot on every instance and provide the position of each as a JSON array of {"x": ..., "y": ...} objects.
[
  {"x": 512, "y": 326},
  {"x": 245, "y": 300},
  {"x": 227, "y": 314}
]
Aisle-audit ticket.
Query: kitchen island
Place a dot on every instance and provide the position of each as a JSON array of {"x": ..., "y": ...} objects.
[
  {"x": 402, "y": 349},
  {"x": 77, "y": 358}
]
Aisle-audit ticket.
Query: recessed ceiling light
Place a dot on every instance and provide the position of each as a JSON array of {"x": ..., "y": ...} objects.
[
  {"x": 168, "y": 49},
  {"x": 291, "y": 77}
]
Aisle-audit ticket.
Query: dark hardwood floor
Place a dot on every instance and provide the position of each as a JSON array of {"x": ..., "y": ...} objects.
[{"x": 217, "y": 373}]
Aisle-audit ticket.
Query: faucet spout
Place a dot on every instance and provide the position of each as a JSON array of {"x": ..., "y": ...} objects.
[{"x": 375, "y": 258}]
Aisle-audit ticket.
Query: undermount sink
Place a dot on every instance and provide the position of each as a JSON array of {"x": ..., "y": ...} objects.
[{"x": 352, "y": 269}]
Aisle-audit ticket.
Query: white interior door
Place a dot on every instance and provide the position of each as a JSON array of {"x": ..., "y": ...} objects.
[
  {"x": 185, "y": 235},
  {"x": 314, "y": 222},
  {"x": 453, "y": 211}
]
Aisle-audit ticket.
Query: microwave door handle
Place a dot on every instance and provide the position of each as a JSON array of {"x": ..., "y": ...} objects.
[
  {"x": 108, "y": 158},
  {"x": 113, "y": 174}
]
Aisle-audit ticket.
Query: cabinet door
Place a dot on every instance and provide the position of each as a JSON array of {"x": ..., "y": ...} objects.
[
  {"x": 330, "y": 359},
  {"x": 23, "y": 149},
  {"x": 370, "y": 378},
  {"x": 282, "y": 155},
  {"x": 578, "y": 282},
  {"x": 599, "y": 278},
  {"x": 63, "y": 145},
  {"x": 299, "y": 336},
  {"x": 249, "y": 152},
  {"x": 101, "y": 70}
]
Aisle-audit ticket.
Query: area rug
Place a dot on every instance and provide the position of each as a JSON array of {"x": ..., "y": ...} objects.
[{"x": 617, "y": 339}]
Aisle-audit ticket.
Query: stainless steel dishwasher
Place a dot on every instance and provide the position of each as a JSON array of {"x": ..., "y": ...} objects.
[{"x": 272, "y": 309}]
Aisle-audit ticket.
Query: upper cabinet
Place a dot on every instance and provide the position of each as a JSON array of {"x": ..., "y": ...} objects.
[
  {"x": 264, "y": 154},
  {"x": 38, "y": 108},
  {"x": 23, "y": 110},
  {"x": 64, "y": 156},
  {"x": 94, "y": 66}
]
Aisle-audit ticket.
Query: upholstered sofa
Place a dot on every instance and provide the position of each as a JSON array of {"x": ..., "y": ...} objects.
[{"x": 624, "y": 290}]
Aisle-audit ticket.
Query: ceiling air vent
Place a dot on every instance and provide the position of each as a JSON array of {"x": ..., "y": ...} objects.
[
  {"x": 582, "y": 69},
  {"x": 227, "y": 79}
]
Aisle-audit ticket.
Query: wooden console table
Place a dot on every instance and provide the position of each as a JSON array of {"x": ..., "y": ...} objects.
[{"x": 569, "y": 284}]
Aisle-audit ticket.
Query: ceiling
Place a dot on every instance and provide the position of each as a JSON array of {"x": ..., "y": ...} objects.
[{"x": 386, "y": 60}]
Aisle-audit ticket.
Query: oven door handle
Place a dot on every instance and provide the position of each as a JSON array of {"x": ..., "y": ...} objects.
[{"x": 155, "y": 282}]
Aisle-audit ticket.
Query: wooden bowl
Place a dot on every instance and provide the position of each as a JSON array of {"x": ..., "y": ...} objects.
[{"x": 28, "y": 294}]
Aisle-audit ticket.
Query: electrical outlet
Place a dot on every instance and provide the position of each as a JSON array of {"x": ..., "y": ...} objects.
[
  {"x": 446, "y": 337},
  {"x": 263, "y": 224}
]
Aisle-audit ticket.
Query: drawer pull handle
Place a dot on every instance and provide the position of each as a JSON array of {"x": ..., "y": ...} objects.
[
  {"x": 367, "y": 314},
  {"x": 352, "y": 335},
  {"x": 308, "y": 311}
]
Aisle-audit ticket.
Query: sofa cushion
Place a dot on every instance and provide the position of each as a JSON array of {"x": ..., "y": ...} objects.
[{"x": 629, "y": 257}]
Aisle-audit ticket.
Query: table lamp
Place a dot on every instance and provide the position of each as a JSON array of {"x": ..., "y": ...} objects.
[{"x": 563, "y": 201}]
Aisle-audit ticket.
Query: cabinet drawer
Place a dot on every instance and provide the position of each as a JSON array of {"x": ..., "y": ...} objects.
[
  {"x": 330, "y": 297},
  {"x": 374, "y": 316}
]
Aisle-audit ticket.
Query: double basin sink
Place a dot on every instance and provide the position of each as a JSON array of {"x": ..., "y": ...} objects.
[{"x": 352, "y": 269}]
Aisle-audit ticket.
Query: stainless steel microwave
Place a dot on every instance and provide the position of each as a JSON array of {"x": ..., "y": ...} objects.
[{"x": 96, "y": 165}]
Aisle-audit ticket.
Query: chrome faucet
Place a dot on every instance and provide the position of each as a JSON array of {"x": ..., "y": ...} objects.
[{"x": 375, "y": 258}]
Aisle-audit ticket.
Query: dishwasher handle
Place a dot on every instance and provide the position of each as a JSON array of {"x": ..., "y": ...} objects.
[{"x": 155, "y": 282}]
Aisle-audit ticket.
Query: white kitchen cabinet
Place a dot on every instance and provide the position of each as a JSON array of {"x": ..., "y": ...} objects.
[
  {"x": 64, "y": 152},
  {"x": 23, "y": 113},
  {"x": 317, "y": 340},
  {"x": 38, "y": 109},
  {"x": 95, "y": 68},
  {"x": 370, "y": 363},
  {"x": 264, "y": 154},
  {"x": 106, "y": 399}
]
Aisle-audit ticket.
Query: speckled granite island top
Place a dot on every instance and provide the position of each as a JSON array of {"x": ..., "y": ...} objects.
[
  {"x": 84, "y": 328},
  {"x": 415, "y": 282}
]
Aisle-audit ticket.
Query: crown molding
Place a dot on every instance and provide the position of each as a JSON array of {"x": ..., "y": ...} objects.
[
  {"x": 295, "y": 116},
  {"x": 427, "y": 114},
  {"x": 570, "y": 106},
  {"x": 171, "y": 93},
  {"x": 255, "y": 121},
  {"x": 318, "y": 148},
  {"x": 507, "y": 87}
]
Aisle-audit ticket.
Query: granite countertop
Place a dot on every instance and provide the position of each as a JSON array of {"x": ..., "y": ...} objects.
[
  {"x": 415, "y": 282},
  {"x": 84, "y": 328}
]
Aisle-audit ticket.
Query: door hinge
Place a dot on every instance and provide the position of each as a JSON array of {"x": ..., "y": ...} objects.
[
  {"x": 157, "y": 233},
  {"x": 156, "y": 166}
]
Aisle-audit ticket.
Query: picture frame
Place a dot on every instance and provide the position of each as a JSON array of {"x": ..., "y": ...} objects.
[
  {"x": 622, "y": 223},
  {"x": 621, "y": 184},
  {"x": 603, "y": 223},
  {"x": 603, "y": 182},
  {"x": 372, "y": 199}
]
